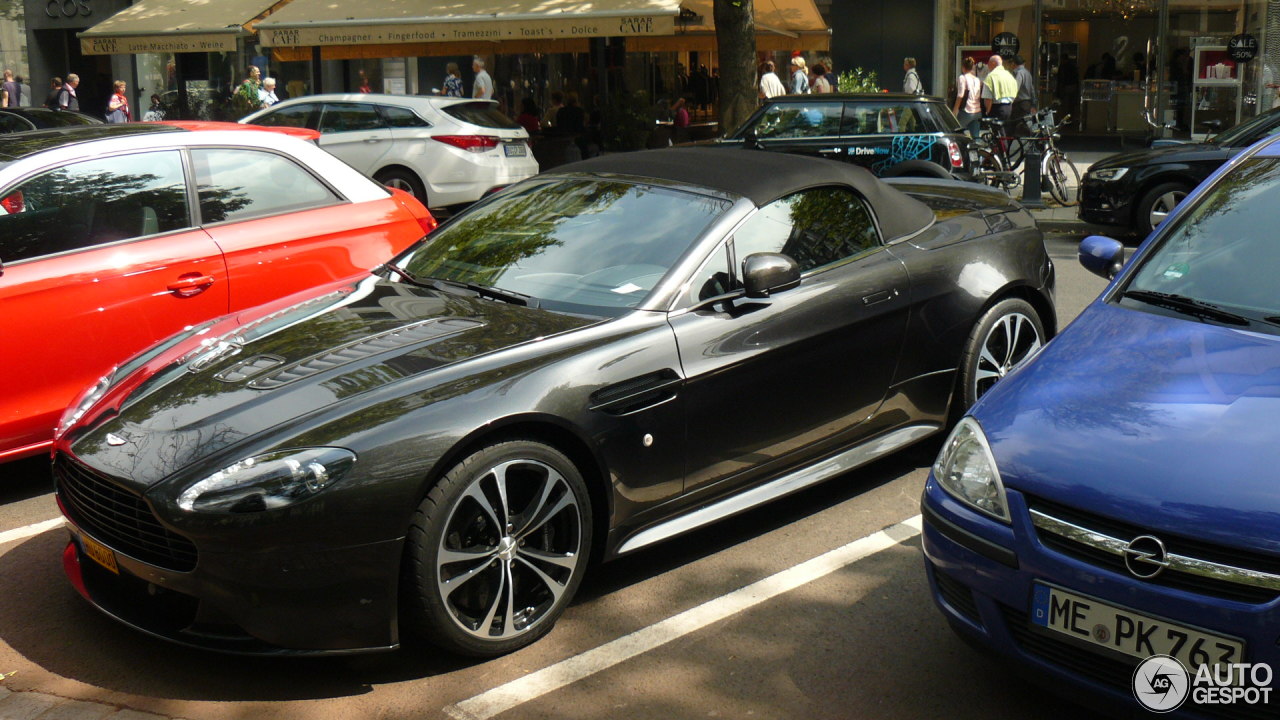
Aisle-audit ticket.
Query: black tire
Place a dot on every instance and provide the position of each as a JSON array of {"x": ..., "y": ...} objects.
[
  {"x": 510, "y": 584},
  {"x": 1064, "y": 179},
  {"x": 1156, "y": 204},
  {"x": 1002, "y": 333},
  {"x": 402, "y": 180},
  {"x": 1014, "y": 153}
]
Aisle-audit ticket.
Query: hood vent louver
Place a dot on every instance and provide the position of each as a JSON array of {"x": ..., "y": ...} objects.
[{"x": 365, "y": 347}]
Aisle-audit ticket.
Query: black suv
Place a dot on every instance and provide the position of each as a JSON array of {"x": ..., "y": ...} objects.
[{"x": 891, "y": 134}]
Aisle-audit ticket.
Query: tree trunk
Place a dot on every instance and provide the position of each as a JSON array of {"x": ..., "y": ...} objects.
[{"x": 736, "y": 44}]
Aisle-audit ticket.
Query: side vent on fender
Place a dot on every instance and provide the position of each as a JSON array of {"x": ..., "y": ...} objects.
[{"x": 636, "y": 394}]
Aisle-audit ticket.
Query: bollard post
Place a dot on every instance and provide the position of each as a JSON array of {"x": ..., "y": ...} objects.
[{"x": 1031, "y": 197}]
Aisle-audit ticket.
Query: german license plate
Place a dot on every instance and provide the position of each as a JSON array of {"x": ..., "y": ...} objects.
[
  {"x": 99, "y": 553},
  {"x": 515, "y": 149},
  {"x": 1121, "y": 630}
]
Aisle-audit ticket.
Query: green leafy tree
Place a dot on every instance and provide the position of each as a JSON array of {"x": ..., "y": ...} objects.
[{"x": 858, "y": 80}]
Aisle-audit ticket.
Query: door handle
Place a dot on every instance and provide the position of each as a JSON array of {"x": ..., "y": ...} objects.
[
  {"x": 190, "y": 284},
  {"x": 879, "y": 297},
  {"x": 372, "y": 140}
]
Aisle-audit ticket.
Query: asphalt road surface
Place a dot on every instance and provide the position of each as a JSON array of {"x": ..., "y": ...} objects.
[{"x": 813, "y": 607}]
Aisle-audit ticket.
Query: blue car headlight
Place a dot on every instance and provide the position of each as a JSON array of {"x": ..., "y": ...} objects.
[
  {"x": 268, "y": 482},
  {"x": 966, "y": 469}
]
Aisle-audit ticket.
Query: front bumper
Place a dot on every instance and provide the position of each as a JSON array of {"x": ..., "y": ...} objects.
[
  {"x": 1105, "y": 203},
  {"x": 266, "y": 601},
  {"x": 982, "y": 573}
]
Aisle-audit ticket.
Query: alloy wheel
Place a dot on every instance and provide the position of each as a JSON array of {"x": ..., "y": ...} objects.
[
  {"x": 1164, "y": 205},
  {"x": 1012, "y": 339},
  {"x": 510, "y": 547}
]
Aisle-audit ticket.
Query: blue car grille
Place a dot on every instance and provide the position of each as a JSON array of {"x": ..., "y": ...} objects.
[
  {"x": 1189, "y": 547},
  {"x": 119, "y": 518},
  {"x": 1105, "y": 670}
]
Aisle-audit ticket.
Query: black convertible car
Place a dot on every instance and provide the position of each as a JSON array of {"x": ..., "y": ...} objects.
[{"x": 585, "y": 364}]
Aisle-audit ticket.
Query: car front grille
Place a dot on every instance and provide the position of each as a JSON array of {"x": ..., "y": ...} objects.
[
  {"x": 119, "y": 518},
  {"x": 1204, "y": 568},
  {"x": 1105, "y": 670}
]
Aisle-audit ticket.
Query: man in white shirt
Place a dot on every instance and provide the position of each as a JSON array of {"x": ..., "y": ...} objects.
[
  {"x": 267, "y": 94},
  {"x": 483, "y": 88},
  {"x": 770, "y": 84}
]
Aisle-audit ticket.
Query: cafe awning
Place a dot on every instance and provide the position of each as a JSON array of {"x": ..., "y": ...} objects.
[
  {"x": 164, "y": 26},
  {"x": 780, "y": 25},
  {"x": 437, "y": 27}
]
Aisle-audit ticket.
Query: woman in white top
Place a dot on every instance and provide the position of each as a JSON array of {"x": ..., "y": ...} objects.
[
  {"x": 819, "y": 83},
  {"x": 968, "y": 105}
]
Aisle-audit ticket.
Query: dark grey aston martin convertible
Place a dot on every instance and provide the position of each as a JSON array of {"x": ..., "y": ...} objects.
[{"x": 585, "y": 364}]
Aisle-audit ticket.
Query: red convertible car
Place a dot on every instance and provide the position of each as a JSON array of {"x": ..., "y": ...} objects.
[{"x": 115, "y": 236}]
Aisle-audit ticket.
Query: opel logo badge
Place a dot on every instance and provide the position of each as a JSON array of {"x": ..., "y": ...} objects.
[
  {"x": 115, "y": 440},
  {"x": 1145, "y": 557}
]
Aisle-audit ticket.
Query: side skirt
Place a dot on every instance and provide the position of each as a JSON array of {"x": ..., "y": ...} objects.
[{"x": 785, "y": 485}]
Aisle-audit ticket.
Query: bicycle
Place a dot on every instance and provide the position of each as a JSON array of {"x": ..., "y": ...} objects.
[{"x": 1056, "y": 168}]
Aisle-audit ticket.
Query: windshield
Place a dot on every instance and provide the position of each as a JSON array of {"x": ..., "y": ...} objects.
[
  {"x": 1224, "y": 251},
  {"x": 1242, "y": 133},
  {"x": 580, "y": 245}
]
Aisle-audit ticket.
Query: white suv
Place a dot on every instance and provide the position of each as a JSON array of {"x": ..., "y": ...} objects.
[{"x": 444, "y": 150}]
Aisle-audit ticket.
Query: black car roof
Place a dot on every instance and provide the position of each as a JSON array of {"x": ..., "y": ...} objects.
[
  {"x": 762, "y": 177},
  {"x": 16, "y": 146}
]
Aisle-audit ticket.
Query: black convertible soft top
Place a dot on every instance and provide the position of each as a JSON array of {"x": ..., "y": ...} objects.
[{"x": 762, "y": 177}]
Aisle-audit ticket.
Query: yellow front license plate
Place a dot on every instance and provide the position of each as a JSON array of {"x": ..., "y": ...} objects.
[{"x": 100, "y": 553}]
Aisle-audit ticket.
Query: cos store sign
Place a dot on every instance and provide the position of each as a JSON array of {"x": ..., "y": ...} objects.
[{"x": 68, "y": 8}]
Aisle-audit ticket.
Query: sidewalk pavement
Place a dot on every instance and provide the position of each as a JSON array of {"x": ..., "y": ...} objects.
[
  {"x": 40, "y": 706},
  {"x": 1056, "y": 218}
]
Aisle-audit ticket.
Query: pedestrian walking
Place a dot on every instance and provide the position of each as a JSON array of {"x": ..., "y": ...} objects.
[
  {"x": 770, "y": 85},
  {"x": 118, "y": 104},
  {"x": 25, "y": 90},
  {"x": 820, "y": 82},
  {"x": 10, "y": 91},
  {"x": 1024, "y": 103},
  {"x": 67, "y": 99},
  {"x": 799, "y": 78},
  {"x": 267, "y": 95},
  {"x": 246, "y": 97},
  {"x": 55, "y": 87},
  {"x": 549, "y": 117},
  {"x": 968, "y": 105},
  {"x": 482, "y": 89},
  {"x": 452, "y": 81},
  {"x": 911, "y": 81},
  {"x": 999, "y": 90}
]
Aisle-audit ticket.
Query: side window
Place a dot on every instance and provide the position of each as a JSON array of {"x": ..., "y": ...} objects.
[
  {"x": 292, "y": 116},
  {"x": 236, "y": 184},
  {"x": 879, "y": 118},
  {"x": 799, "y": 120},
  {"x": 350, "y": 117},
  {"x": 714, "y": 278},
  {"x": 814, "y": 227},
  {"x": 93, "y": 203},
  {"x": 13, "y": 123},
  {"x": 398, "y": 117}
]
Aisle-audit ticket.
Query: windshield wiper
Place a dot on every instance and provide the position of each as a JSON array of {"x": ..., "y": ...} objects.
[
  {"x": 439, "y": 283},
  {"x": 1187, "y": 306}
]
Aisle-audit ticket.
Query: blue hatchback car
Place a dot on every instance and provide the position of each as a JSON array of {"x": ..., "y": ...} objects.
[{"x": 1118, "y": 497}]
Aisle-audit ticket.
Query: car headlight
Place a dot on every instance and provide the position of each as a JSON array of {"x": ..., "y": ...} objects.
[
  {"x": 87, "y": 399},
  {"x": 1108, "y": 174},
  {"x": 267, "y": 482},
  {"x": 966, "y": 469}
]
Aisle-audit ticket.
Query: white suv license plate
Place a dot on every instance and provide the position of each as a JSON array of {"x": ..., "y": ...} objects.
[
  {"x": 1121, "y": 630},
  {"x": 515, "y": 149}
]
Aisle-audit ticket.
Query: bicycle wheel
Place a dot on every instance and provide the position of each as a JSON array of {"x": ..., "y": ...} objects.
[
  {"x": 1015, "y": 151},
  {"x": 986, "y": 166},
  {"x": 1064, "y": 179}
]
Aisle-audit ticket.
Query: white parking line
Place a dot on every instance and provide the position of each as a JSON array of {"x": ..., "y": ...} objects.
[
  {"x": 29, "y": 530},
  {"x": 517, "y": 692}
]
